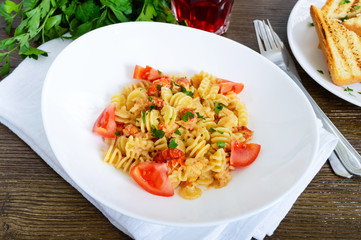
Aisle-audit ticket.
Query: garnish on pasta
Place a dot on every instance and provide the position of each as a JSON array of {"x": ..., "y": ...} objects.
[{"x": 174, "y": 132}]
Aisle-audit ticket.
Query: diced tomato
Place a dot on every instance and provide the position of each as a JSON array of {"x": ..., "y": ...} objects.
[
  {"x": 155, "y": 87},
  {"x": 228, "y": 86},
  {"x": 153, "y": 178},
  {"x": 105, "y": 125},
  {"x": 243, "y": 154},
  {"x": 147, "y": 73},
  {"x": 171, "y": 157}
]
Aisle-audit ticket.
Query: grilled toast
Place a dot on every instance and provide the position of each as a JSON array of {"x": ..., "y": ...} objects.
[
  {"x": 342, "y": 9},
  {"x": 353, "y": 24},
  {"x": 340, "y": 46},
  {"x": 348, "y": 12}
]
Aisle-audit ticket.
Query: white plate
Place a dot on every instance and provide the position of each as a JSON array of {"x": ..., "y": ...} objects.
[
  {"x": 91, "y": 69},
  {"x": 303, "y": 41}
]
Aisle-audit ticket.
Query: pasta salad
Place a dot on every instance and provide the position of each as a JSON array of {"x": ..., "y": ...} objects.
[{"x": 174, "y": 132}]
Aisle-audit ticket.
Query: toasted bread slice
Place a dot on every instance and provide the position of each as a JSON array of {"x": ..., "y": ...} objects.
[
  {"x": 342, "y": 9},
  {"x": 353, "y": 24},
  {"x": 341, "y": 48}
]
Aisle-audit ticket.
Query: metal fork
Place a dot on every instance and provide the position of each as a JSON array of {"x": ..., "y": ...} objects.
[{"x": 272, "y": 48}]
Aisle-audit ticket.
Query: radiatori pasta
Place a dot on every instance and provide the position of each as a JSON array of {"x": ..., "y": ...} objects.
[{"x": 193, "y": 125}]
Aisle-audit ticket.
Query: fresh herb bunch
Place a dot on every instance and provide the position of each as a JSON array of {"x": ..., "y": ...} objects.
[{"x": 43, "y": 20}]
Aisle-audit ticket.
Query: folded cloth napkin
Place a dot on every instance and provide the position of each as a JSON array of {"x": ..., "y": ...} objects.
[{"x": 20, "y": 110}]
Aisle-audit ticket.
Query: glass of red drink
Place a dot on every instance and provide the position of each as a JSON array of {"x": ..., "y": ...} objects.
[{"x": 208, "y": 15}]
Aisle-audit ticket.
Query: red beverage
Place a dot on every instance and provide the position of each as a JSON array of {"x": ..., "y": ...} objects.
[{"x": 208, "y": 15}]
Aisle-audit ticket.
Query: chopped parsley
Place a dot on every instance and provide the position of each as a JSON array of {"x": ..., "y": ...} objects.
[
  {"x": 355, "y": 8},
  {"x": 117, "y": 133},
  {"x": 157, "y": 132},
  {"x": 344, "y": 18},
  {"x": 150, "y": 99},
  {"x": 211, "y": 130},
  {"x": 218, "y": 107},
  {"x": 320, "y": 71},
  {"x": 159, "y": 87},
  {"x": 188, "y": 115},
  {"x": 221, "y": 144},
  {"x": 311, "y": 24},
  {"x": 178, "y": 132},
  {"x": 174, "y": 84},
  {"x": 159, "y": 72},
  {"x": 173, "y": 144},
  {"x": 344, "y": 2},
  {"x": 349, "y": 90},
  {"x": 220, "y": 132},
  {"x": 152, "y": 107},
  {"x": 188, "y": 93},
  {"x": 199, "y": 116},
  {"x": 143, "y": 116}
]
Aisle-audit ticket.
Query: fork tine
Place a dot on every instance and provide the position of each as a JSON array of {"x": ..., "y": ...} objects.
[
  {"x": 260, "y": 44},
  {"x": 270, "y": 36},
  {"x": 276, "y": 40},
  {"x": 264, "y": 36}
]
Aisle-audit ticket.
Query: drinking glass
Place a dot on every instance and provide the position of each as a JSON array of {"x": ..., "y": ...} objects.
[{"x": 209, "y": 15}]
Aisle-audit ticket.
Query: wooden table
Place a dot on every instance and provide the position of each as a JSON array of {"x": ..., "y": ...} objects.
[{"x": 35, "y": 203}]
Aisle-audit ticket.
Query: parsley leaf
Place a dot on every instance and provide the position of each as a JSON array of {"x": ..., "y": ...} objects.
[
  {"x": 188, "y": 115},
  {"x": 173, "y": 144},
  {"x": 157, "y": 132},
  {"x": 218, "y": 107},
  {"x": 344, "y": 2},
  {"x": 117, "y": 133},
  {"x": 188, "y": 93},
  {"x": 143, "y": 116},
  {"x": 220, "y": 131},
  {"x": 211, "y": 130},
  {"x": 349, "y": 91},
  {"x": 178, "y": 132},
  {"x": 221, "y": 144},
  {"x": 199, "y": 116},
  {"x": 159, "y": 87},
  {"x": 344, "y": 18},
  {"x": 320, "y": 71}
]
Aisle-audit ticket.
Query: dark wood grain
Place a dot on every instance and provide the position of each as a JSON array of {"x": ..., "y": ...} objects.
[{"x": 35, "y": 203}]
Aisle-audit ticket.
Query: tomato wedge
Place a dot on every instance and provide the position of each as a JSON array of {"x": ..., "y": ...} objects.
[
  {"x": 147, "y": 73},
  {"x": 105, "y": 125},
  {"x": 243, "y": 154},
  {"x": 153, "y": 178},
  {"x": 227, "y": 86}
]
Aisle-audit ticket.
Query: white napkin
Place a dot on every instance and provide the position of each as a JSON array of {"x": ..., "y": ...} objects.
[{"x": 20, "y": 110}]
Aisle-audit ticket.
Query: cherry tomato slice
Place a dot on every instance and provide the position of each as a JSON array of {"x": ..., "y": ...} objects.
[
  {"x": 242, "y": 154},
  {"x": 153, "y": 178},
  {"x": 105, "y": 125}
]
